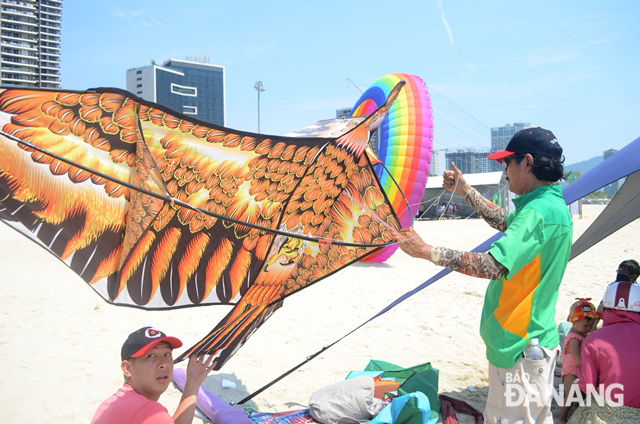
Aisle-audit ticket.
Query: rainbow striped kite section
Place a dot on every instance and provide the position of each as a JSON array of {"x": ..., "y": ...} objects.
[{"x": 406, "y": 141}]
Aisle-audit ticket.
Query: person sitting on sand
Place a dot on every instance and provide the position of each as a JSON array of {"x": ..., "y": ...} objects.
[
  {"x": 609, "y": 360},
  {"x": 628, "y": 270},
  {"x": 147, "y": 365},
  {"x": 581, "y": 314}
]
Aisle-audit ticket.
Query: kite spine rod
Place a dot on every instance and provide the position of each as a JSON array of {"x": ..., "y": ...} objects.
[
  {"x": 309, "y": 358},
  {"x": 178, "y": 202},
  {"x": 406, "y": 201}
]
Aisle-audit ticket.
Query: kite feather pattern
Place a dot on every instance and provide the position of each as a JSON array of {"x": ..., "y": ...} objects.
[{"x": 156, "y": 210}]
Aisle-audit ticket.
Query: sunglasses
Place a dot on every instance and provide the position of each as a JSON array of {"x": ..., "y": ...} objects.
[{"x": 506, "y": 161}]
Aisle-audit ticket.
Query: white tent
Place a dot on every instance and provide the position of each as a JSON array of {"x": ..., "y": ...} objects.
[{"x": 488, "y": 184}]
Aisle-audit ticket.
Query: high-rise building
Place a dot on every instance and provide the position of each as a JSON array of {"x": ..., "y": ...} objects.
[
  {"x": 189, "y": 87},
  {"x": 31, "y": 31},
  {"x": 471, "y": 161},
  {"x": 500, "y": 136},
  {"x": 345, "y": 112},
  {"x": 435, "y": 163},
  {"x": 608, "y": 153}
]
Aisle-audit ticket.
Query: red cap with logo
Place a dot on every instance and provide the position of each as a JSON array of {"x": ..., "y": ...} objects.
[
  {"x": 143, "y": 340},
  {"x": 536, "y": 141}
]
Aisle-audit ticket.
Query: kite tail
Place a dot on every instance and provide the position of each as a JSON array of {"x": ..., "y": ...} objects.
[{"x": 231, "y": 332}]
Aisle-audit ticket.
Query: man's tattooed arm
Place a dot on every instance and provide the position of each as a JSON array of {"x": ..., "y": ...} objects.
[
  {"x": 481, "y": 265},
  {"x": 488, "y": 210}
]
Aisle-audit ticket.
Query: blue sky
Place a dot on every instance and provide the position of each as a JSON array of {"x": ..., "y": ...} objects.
[{"x": 569, "y": 66}]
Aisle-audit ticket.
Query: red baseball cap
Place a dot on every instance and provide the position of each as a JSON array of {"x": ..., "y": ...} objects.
[
  {"x": 536, "y": 141},
  {"x": 143, "y": 340}
]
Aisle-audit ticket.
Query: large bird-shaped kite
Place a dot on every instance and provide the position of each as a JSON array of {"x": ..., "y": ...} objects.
[{"x": 156, "y": 210}]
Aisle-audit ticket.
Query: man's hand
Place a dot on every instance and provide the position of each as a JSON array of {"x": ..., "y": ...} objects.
[
  {"x": 454, "y": 181},
  {"x": 411, "y": 243},
  {"x": 197, "y": 370}
]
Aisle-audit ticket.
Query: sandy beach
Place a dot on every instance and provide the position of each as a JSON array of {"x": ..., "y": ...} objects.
[{"x": 61, "y": 342}]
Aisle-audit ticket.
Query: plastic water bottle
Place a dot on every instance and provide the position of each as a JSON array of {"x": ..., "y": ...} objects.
[{"x": 533, "y": 351}]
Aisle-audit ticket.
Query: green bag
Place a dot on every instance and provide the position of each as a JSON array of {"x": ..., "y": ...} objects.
[
  {"x": 413, "y": 408},
  {"x": 411, "y": 414},
  {"x": 419, "y": 378}
]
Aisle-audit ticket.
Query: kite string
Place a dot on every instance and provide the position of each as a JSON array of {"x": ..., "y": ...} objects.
[
  {"x": 437, "y": 199},
  {"x": 451, "y": 197},
  {"x": 433, "y": 200}
]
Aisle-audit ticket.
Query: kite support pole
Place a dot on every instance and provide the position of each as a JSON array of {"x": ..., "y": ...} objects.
[{"x": 309, "y": 358}]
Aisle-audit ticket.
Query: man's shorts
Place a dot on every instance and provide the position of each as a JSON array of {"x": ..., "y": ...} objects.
[{"x": 521, "y": 394}]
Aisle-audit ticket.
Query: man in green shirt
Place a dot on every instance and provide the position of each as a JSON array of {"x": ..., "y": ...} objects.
[{"x": 525, "y": 266}]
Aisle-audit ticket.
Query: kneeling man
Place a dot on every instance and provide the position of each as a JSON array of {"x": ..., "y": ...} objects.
[{"x": 147, "y": 365}]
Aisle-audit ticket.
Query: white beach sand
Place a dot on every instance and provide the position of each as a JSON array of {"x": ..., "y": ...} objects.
[{"x": 60, "y": 346}]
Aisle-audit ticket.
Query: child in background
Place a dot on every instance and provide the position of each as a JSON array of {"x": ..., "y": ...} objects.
[{"x": 581, "y": 315}]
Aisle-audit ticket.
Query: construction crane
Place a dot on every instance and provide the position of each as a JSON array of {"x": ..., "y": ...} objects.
[{"x": 354, "y": 84}]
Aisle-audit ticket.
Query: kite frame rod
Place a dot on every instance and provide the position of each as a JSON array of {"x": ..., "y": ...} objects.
[
  {"x": 178, "y": 202},
  {"x": 406, "y": 201}
]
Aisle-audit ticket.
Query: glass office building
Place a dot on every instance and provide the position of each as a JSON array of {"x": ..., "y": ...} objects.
[
  {"x": 471, "y": 161},
  {"x": 191, "y": 88},
  {"x": 345, "y": 112},
  {"x": 500, "y": 136},
  {"x": 435, "y": 163},
  {"x": 31, "y": 32}
]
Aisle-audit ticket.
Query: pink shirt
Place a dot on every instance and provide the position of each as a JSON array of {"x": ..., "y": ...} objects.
[
  {"x": 569, "y": 365},
  {"x": 610, "y": 356},
  {"x": 130, "y": 407}
]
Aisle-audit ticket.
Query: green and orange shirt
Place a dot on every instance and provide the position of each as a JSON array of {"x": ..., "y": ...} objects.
[{"x": 535, "y": 250}]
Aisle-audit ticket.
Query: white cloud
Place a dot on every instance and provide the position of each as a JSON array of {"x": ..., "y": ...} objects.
[
  {"x": 599, "y": 42},
  {"x": 253, "y": 50},
  {"x": 543, "y": 56},
  {"x": 617, "y": 116},
  {"x": 319, "y": 104},
  {"x": 533, "y": 87},
  {"x": 535, "y": 58},
  {"x": 446, "y": 24},
  {"x": 141, "y": 18}
]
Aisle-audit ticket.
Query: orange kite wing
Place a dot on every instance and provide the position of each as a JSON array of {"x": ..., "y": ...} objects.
[{"x": 135, "y": 199}]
